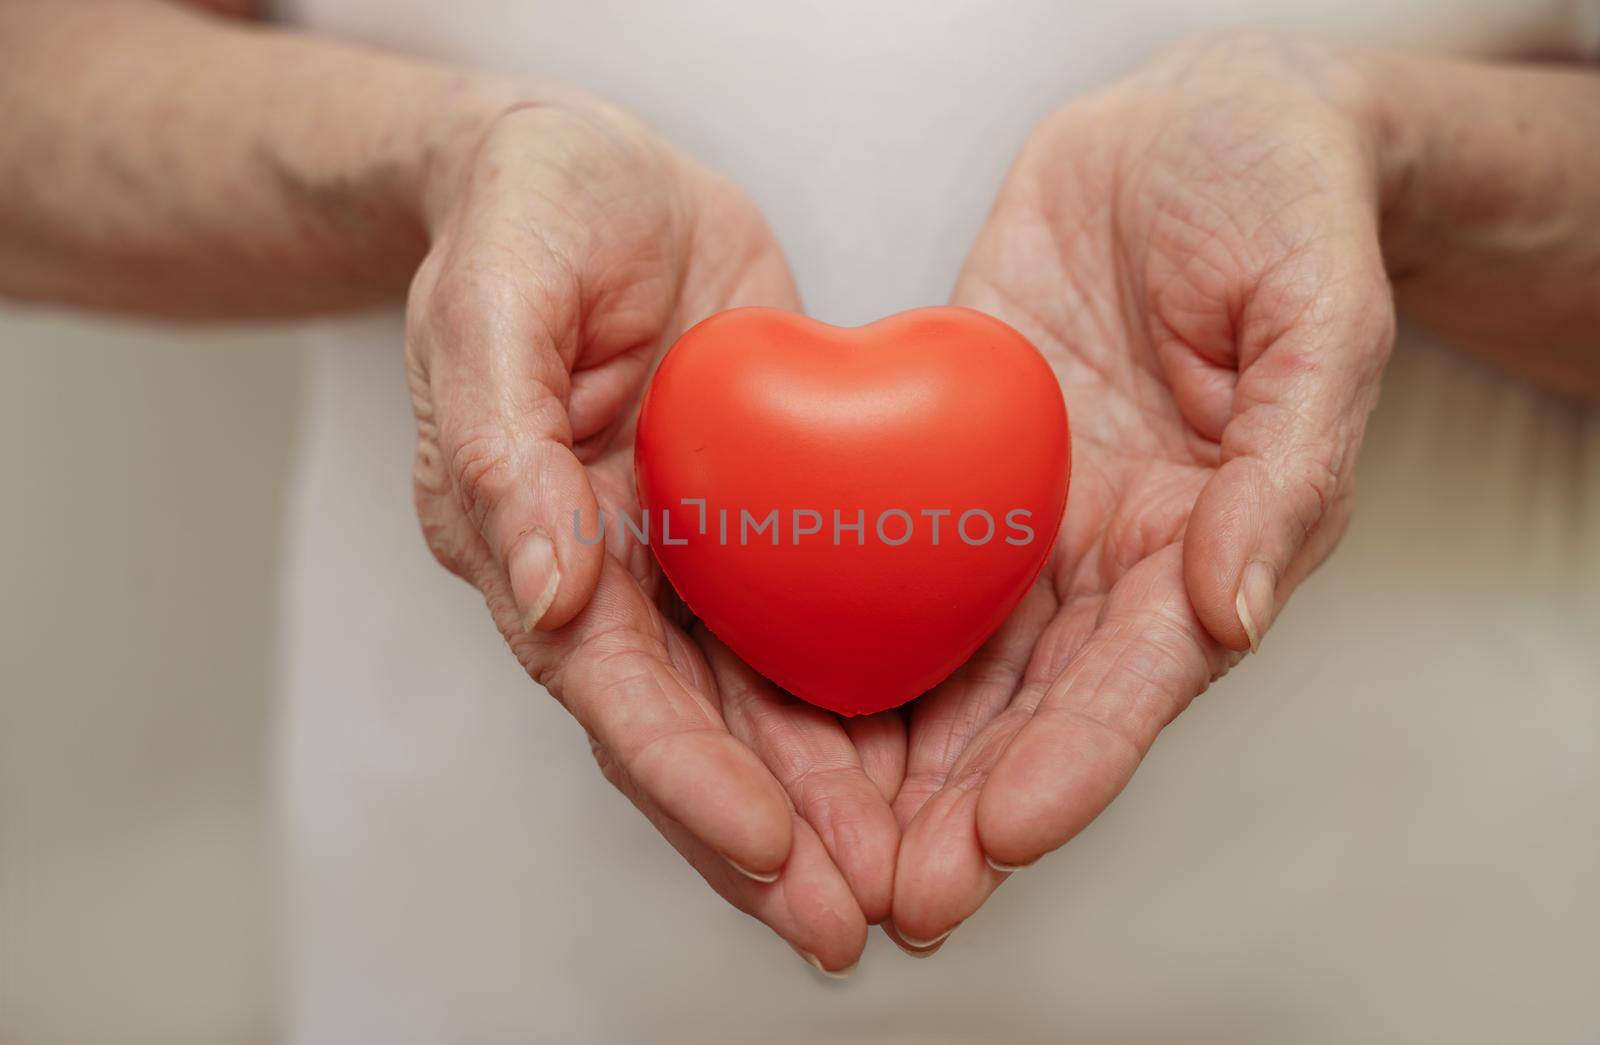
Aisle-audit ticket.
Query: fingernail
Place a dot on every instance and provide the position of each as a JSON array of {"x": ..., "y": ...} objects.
[
  {"x": 1002, "y": 868},
  {"x": 923, "y": 945},
  {"x": 831, "y": 974},
  {"x": 1254, "y": 602},
  {"x": 535, "y": 577},
  {"x": 764, "y": 879}
]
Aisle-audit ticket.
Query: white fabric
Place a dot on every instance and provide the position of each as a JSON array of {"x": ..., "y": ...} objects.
[{"x": 1382, "y": 828}]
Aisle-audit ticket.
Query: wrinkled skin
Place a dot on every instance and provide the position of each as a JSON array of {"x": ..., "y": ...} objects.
[
  {"x": 568, "y": 255},
  {"x": 1195, "y": 251}
]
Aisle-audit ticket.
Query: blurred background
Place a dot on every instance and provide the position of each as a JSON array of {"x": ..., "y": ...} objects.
[{"x": 143, "y": 478}]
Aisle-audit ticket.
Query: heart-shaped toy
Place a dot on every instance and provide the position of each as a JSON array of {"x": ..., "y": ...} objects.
[{"x": 853, "y": 511}]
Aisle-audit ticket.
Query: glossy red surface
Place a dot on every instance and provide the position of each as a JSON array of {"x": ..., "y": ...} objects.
[{"x": 936, "y": 409}]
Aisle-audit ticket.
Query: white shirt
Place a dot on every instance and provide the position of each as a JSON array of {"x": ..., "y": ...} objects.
[{"x": 1381, "y": 828}]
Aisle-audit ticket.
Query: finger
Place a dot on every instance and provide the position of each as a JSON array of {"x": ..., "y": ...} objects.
[
  {"x": 1299, "y": 410},
  {"x": 613, "y": 669},
  {"x": 944, "y": 721},
  {"x": 810, "y": 906},
  {"x": 1202, "y": 387},
  {"x": 1147, "y": 658},
  {"x": 498, "y": 383},
  {"x": 820, "y": 769},
  {"x": 880, "y": 740},
  {"x": 944, "y": 875},
  {"x": 941, "y": 877}
]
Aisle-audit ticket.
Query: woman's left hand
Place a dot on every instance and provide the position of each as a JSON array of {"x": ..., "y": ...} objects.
[{"x": 1195, "y": 250}]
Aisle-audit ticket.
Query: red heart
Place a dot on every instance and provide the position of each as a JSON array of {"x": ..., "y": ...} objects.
[{"x": 935, "y": 410}]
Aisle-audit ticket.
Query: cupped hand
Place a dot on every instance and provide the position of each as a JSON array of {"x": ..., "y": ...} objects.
[
  {"x": 570, "y": 247},
  {"x": 1195, "y": 250}
]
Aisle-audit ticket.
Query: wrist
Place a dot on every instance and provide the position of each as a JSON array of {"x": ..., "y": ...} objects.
[
  {"x": 1374, "y": 101},
  {"x": 450, "y": 129},
  {"x": 397, "y": 145},
  {"x": 1337, "y": 90},
  {"x": 452, "y": 138}
]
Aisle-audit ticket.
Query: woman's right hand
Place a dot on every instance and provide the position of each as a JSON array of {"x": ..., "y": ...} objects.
[{"x": 569, "y": 249}]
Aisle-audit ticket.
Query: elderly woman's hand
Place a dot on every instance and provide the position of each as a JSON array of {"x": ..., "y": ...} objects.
[
  {"x": 1196, "y": 252},
  {"x": 569, "y": 251},
  {"x": 562, "y": 247}
]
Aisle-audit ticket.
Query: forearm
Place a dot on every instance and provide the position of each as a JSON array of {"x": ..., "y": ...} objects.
[
  {"x": 161, "y": 161},
  {"x": 1491, "y": 226}
]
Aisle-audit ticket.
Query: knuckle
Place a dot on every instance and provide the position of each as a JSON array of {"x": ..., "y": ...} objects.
[
  {"x": 1314, "y": 477},
  {"x": 482, "y": 467},
  {"x": 486, "y": 460}
]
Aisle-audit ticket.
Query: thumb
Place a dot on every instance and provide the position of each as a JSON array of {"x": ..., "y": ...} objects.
[
  {"x": 529, "y": 497},
  {"x": 1258, "y": 527},
  {"x": 1281, "y": 499},
  {"x": 499, "y": 389}
]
